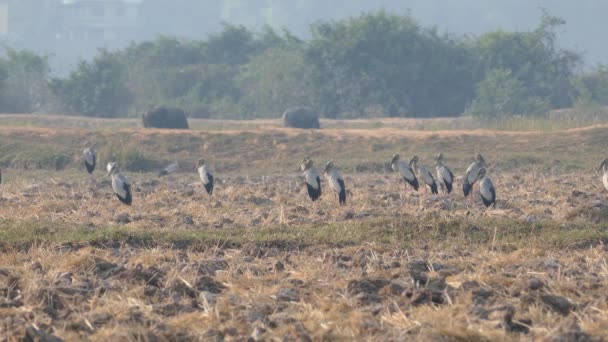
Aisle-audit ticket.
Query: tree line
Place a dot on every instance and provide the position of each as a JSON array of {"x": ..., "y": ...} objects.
[{"x": 374, "y": 65}]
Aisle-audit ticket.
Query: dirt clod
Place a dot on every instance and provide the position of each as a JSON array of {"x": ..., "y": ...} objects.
[
  {"x": 558, "y": 304},
  {"x": 122, "y": 218},
  {"x": 535, "y": 284},
  {"x": 288, "y": 295},
  {"x": 209, "y": 284},
  {"x": 370, "y": 286}
]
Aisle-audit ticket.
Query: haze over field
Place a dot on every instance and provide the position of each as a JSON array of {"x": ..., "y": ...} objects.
[
  {"x": 35, "y": 24},
  {"x": 152, "y": 191}
]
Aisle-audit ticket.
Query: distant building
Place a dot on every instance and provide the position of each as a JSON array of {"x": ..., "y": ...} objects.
[
  {"x": 100, "y": 22},
  {"x": 3, "y": 17}
]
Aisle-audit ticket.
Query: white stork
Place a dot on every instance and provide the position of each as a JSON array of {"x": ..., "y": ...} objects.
[
  {"x": 472, "y": 174},
  {"x": 90, "y": 157},
  {"x": 312, "y": 178},
  {"x": 604, "y": 168},
  {"x": 204, "y": 171},
  {"x": 404, "y": 171},
  {"x": 486, "y": 190},
  {"x": 444, "y": 174},
  {"x": 335, "y": 180},
  {"x": 120, "y": 184},
  {"x": 424, "y": 174}
]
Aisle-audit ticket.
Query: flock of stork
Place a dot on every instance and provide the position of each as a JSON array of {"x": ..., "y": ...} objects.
[
  {"x": 121, "y": 185},
  {"x": 412, "y": 171},
  {"x": 409, "y": 171}
]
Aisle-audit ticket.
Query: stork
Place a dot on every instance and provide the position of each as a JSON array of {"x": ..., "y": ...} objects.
[
  {"x": 169, "y": 169},
  {"x": 486, "y": 189},
  {"x": 424, "y": 174},
  {"x": 204, "y": 171},
  {"x": 312, "y": 178},
  {"x": 90, "y": 157},
  {"x": 335, "y": 180},
  {"x": 109, "y": 166},
  {"x": 404, "y": 171},
  {"x": 120, "y": 184},
  {"x": 604, "y": 168},
  {"x": 472, "y": 174},
  {"x": 444, "y": 174}
]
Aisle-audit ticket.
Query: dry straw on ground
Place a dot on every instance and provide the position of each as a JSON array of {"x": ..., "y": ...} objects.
[{"x": 258, "y": 260}]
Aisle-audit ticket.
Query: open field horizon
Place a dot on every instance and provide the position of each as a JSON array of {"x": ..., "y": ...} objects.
[{"x": 259, "y": 260}]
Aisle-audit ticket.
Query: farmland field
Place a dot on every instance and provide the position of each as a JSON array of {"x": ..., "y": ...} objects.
[{"x": 259, "y": 260}]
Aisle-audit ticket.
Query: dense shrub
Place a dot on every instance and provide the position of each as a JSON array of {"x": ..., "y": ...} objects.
[
  {"x": 277, "y": 79},
  {"x": 95, "y": 88},
  {"x": 300, "y": 117},
  {"x": 543, "y": 71},
  {"x": 593, "y": 86},
  {"x": 165, "y": 117},
  {"x": 23, "y": 82},
  {"x": 501, "y": 93},
  {"x": 373, "y": 65},
  {"x": 388, "y": 65}
]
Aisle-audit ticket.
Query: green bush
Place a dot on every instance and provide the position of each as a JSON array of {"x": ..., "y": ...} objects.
[
  {"x": 23, "y": 82},
  {"x": 95, "y": 88},
  {"x": 374, "y": 65},
  {"x": 277, "y": 79},
  {"x": 593, "y": 86},
  {"x": 502, "y": 94}
]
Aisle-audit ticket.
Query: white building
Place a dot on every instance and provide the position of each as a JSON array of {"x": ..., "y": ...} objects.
[
  {"x": 100, "y": 22},
  {"x": 3, "y": 17}
]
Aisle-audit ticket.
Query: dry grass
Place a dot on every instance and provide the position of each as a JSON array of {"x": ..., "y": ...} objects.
[
  {"x": 258, "y": 260},
  {"x": 552, "y": 121}
]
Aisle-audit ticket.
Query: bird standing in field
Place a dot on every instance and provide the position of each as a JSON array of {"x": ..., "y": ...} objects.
[
  {"x": 169, "y": 169},
  {"x": 335, "y": 180},
  {"x": 204, "y": 171},
  {"x": 424, "y": 174},
  {"x": 90, "y": 157},
  {"x": 604, "y": 168},
  {"x": 486, "y": 189},
  {"x": 312, "y": 178},
  {"x": 404, "y": 171},
  {"x": 445, "y": 177},
  {"x": 109, "y": 166},
  {"x": 120, "y": 184},
  {"x": 472, "y": 174}
]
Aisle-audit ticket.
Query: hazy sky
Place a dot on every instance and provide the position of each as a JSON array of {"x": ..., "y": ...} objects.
[{"x": 584, "y": 31}]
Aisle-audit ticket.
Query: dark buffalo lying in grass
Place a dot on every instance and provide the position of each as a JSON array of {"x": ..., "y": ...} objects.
[
  {"x": 301, "y": 117},
  {"x": 165, "y": 117}
]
